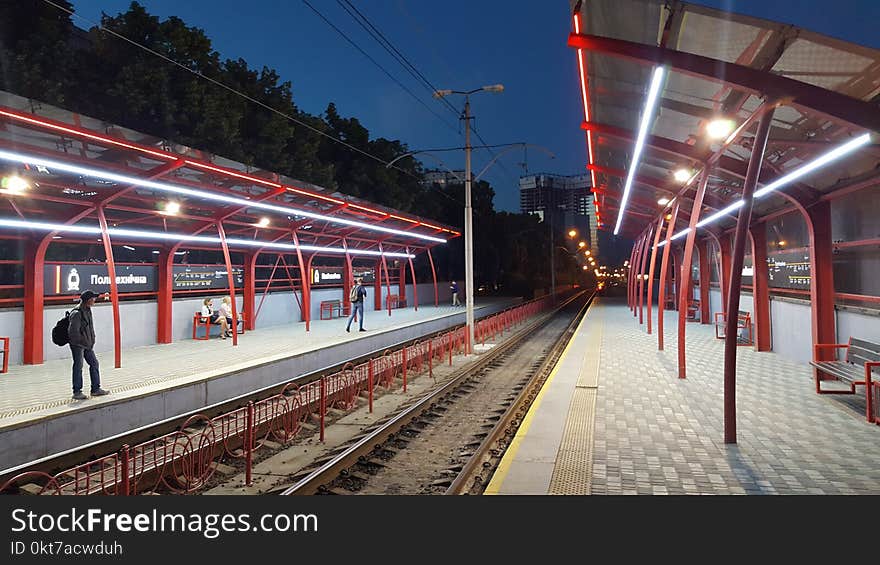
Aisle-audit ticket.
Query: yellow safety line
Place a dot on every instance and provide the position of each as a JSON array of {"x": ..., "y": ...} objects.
[{"x": 510, "y": 454}]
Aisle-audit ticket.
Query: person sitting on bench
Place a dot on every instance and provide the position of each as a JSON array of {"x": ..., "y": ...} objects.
[
  {"x": 215, "y": 318},
  {"x": 226, "y": 312}
]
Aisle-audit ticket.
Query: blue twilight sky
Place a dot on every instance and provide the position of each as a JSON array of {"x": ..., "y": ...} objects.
[{"x": 456, "y": 44}]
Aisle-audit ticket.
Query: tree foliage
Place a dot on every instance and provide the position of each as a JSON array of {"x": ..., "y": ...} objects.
[{"x": 43, "y": 56}]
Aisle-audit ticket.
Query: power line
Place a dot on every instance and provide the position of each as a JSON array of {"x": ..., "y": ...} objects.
[
  {"x": 383, "y": 69},
  {"x": 391, "y": 49},
  {"x": 228, "y": 88}
]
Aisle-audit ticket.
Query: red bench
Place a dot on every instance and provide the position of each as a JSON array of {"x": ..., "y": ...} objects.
[
  {"x": 862, "y": 359},
  {"x": 331, "y": 306},
  {"x": 198, "y": 320},
  {"x": 395, "y": 301}
]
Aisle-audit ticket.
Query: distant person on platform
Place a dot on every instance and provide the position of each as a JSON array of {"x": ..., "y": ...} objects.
[
  {"x": 81, "y": 331},
  {"x": 226, "y": 312},
  {"x": 454, "y": 288},
  {"x": 358, "y": 295}
]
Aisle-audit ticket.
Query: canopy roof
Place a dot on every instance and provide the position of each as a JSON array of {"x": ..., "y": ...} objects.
[
  {"x": 727, "y": 65},
  {"x": 75, "y": 164}
]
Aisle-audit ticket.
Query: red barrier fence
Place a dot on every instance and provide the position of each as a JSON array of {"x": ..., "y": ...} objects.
[{"x": 185, "y": 460}]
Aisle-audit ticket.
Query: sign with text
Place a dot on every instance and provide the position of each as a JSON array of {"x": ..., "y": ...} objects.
[
  {"x": 201, "y": 277},
  {"x": 76, "y": 278},
  {"x": 790, "y": 270},
  {"x": 327, "y": 276}
]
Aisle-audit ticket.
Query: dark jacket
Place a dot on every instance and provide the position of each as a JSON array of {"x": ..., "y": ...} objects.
[{"x": 81, "y": 329}]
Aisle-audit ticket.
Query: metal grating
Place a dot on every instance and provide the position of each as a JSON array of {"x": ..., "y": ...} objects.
[{"x": 573, "y": 472}]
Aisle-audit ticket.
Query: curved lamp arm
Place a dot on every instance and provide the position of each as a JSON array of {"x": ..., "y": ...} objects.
[{"x": 514, "y": 146}]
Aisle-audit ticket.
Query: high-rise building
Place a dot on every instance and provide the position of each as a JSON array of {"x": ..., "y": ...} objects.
[{"x": 567, "y": 198}]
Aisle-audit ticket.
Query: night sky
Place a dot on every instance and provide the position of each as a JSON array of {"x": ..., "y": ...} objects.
[{"x": 456, "y": 44}]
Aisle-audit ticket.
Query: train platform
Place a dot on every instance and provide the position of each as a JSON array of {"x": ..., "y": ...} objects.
[
  {"x": 614, "y": 418},
  {"x": 38, "y": 417}
]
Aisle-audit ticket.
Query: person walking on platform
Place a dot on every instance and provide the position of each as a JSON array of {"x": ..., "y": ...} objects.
[
  {"x": 454, "y": 287},
  {"x": 81, "y": 330},
  {"x": 358, "y": 295}
]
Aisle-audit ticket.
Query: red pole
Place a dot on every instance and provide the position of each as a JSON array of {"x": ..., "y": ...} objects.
[
  {"x": 377, "y": 287},
  {"x": 248, "y": 444},
  {"x": 323, "y": 407},
  {"x": 412, "y": 271},
  {"x": 725, "y": 245},
  {"x": 664, "y": 273},
  {"x": 401, "y": 280},
  {"x": 124, "y": 468},
  {"x": 434, "y": 277},
  {"x": 249, "y": 295},
  {"x": 404, "y": 369},
  {"x": 370, "y": 375},
  {"x": 822, "y": 281},
  {"x": 637, "y": 275},
  {"x": 164, "y": 298},
  {"x": 651, "y": 269},
  {"x": 231, "y": 278},
  {"x": 705, "y": 280},
  {"x": 114, "y": 291},
  {"x": 630, "y": 275},
  {"x": 759, "y": 144},
  {"x": 387, "y": 279},
  {"x": 347, "y": 280},
  {"x": 34, "y": 257},
  {"x": 760, "y": 286},
  {"x": 304, "y": 276},
  {"x": 686, "y": 291},
  {"x": 643, "y": 271}
]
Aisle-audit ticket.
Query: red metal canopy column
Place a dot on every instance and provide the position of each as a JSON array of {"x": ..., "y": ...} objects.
[
  {"x": 643, "y": 272},
  {"x": 725, "y": 245},
  {"x": 305, "y": 277},
  {"x": 164, "y": 297},
  {"x": 249, "y": 293},
  {"x": 377, "y": 286},
  {"x": 654, "y": 248},
  {"x": 822, "y": 281},
  {"x": 739, "y": 244},
  {"x": 231, "y": 278},
  {"x": 685, "y": 292},
  {"x": 114, "y": 292},
  {"x": 630, "y": 275},
  {"x": 664, "y": 273},
  {"x": 387, "y": 280},
  {"x": 705, "y": 280},
  {"x": 347, "y": 279},
  {"x": 34, "y": 258},
  {"x": 434, "y": 277},
  {"x": 412, "y": 271},
  {"x": 761, "y": 286}
]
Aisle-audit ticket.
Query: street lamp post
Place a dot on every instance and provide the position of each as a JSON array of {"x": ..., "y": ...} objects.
[{"x": 468, "y": 215}]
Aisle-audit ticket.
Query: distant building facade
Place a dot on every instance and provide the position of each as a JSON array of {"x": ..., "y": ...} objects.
[{"x": 566, "y": 201}]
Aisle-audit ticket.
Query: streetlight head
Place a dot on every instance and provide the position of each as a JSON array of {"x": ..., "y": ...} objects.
[
  {"x": 587, "y": 253},
  {"x": 494, "y": 88},
  {"x": 442, "y": 93},
  {"x": 582, "y": 244},
  {"x": 572, "y": 233}
]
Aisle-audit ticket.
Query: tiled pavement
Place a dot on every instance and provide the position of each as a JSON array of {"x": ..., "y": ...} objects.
[
  {"x": 657, "y": 434},
  {"x": 34, "y": 391}
]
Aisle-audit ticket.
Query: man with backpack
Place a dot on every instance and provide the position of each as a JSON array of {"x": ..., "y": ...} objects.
[
  {"x": 81, "y": 336},
  {"x": 357, "y": 296}
]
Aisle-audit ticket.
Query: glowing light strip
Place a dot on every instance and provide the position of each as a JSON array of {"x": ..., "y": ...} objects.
[
  {"x": 647, "y": 115},
  {"x": 825, "y": 159},
  {"x": 577, "y": 29},
  {"x": 7, "y": 156},
  {"x": 120, "y": 232}
]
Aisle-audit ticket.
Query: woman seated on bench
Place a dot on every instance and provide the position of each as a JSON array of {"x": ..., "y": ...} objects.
[
  {"x": 215, "y": 318},
  {"x": 226, "y": 312}
]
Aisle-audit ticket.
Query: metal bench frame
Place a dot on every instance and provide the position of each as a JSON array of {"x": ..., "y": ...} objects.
[
  {"x": 329, "y": 306},
  {"x": 198, "y": 320},
  {"x": 862, "y": 358},
  {"x": 743, "y": 322}
]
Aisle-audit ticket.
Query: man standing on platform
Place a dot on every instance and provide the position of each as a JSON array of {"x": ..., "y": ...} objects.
[
  {"x": 358, "y": 295},
  {"x": 81, "y": 331},
  {"x": 454, "y": 288}
]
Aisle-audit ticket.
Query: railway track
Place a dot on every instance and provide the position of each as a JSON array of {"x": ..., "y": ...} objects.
[{"x": 450, "y": 440}]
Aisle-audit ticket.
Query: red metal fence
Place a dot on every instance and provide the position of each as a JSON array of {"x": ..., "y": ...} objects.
[{"x": 185, "y": 460}]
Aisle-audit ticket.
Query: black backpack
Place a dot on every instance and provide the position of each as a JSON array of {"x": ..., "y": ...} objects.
[{"x": 60, "y": 333}]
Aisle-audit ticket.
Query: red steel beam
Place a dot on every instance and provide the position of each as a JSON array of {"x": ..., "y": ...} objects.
[
  {"x": 685, "y": 290},
  {"x": 799, "y": 94},
  {"x": 760, "y": 286},
  {"x": 231, "y": 278},
  {"x": 434, "y": 277},
  {"x": 705, "y": 276},
  {"x": 654, "y": 249},
  {"x": 643, "y": 271},
  {"x": 664, "y": 272},
  {"x": 114, "y": 291}
]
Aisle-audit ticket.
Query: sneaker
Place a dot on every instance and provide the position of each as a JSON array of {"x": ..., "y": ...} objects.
[
  {"x": 362, "y": 330},
  {"x": 79, "y": 396},
  {"x": 100, "y": 392},
  {"x": 347, "y": 330}
]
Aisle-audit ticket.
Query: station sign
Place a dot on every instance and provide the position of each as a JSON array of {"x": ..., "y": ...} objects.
[
  {"x": 327, "y": 276},
  {"x": 790, "y": 270},
  {"x": 367, "y": 275},
  {"x": 201, "y": 277},
  {"x": 76, "y": 278}
]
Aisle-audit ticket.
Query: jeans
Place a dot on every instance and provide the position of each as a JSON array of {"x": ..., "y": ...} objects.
[
  {"x": 80, "y": 353},
  {"x": 357, "y": 309}
]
